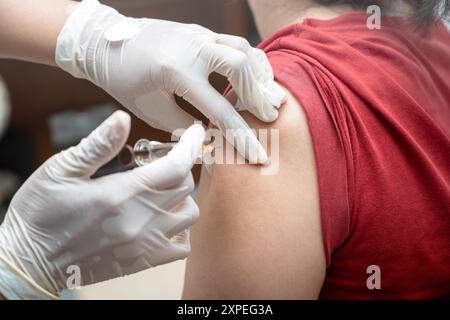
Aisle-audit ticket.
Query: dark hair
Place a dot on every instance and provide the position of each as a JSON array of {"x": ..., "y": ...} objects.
[{"x": 426, "y": 12}]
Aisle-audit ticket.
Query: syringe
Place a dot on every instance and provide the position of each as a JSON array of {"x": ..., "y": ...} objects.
[{"x": 146, "y": 151}]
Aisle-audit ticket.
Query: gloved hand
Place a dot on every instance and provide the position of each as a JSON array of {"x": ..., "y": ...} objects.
[
  {"x": 142, "y": 63},
  {"x": 107, "y": 227}
]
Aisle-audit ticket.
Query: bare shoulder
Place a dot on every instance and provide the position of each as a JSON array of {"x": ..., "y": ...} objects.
[{"x": 259, "y": 236}]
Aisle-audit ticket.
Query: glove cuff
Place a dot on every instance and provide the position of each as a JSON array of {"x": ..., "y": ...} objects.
[
  {"x": 75, "y": 52},
  {"x": 15, "y": 285},
  {"x": 19, "y": 253}
]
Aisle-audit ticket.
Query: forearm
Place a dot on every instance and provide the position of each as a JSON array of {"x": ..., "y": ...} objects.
[{"x": 29, "y": 28}]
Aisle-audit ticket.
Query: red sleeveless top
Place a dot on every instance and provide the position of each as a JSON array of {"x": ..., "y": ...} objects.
[{"x": 378, "y": 107}]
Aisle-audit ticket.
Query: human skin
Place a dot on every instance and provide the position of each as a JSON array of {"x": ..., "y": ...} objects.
[
  {"x": 259, "y": 236},
  {"x": 29, "y": 28}
]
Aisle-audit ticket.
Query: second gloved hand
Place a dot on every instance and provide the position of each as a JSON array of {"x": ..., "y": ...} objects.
[
  {"x": 144, "y": 62},
  {"x": 61, "y": 219}
]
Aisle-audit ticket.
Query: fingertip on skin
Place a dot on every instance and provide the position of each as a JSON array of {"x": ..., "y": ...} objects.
[
  {"x": 267, "y": 162},
  {"x": 270, "y": 115},
  {"x": 259, "y": 157},
  {"x": 279, "y": 92},
  {"x": 273, "y": 93},
  {"x": 262, "y": 156}
]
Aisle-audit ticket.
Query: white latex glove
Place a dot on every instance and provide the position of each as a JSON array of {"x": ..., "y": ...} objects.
[
  {"x": 142, "y": 63},
  {"x": 108, "y": 227}
]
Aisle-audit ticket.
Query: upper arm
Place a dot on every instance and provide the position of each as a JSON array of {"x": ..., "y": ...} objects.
[{"x": 259, "y": 236}]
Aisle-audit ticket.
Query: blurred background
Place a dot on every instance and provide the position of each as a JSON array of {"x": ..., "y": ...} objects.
[{"x": 44, "y": 110}]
